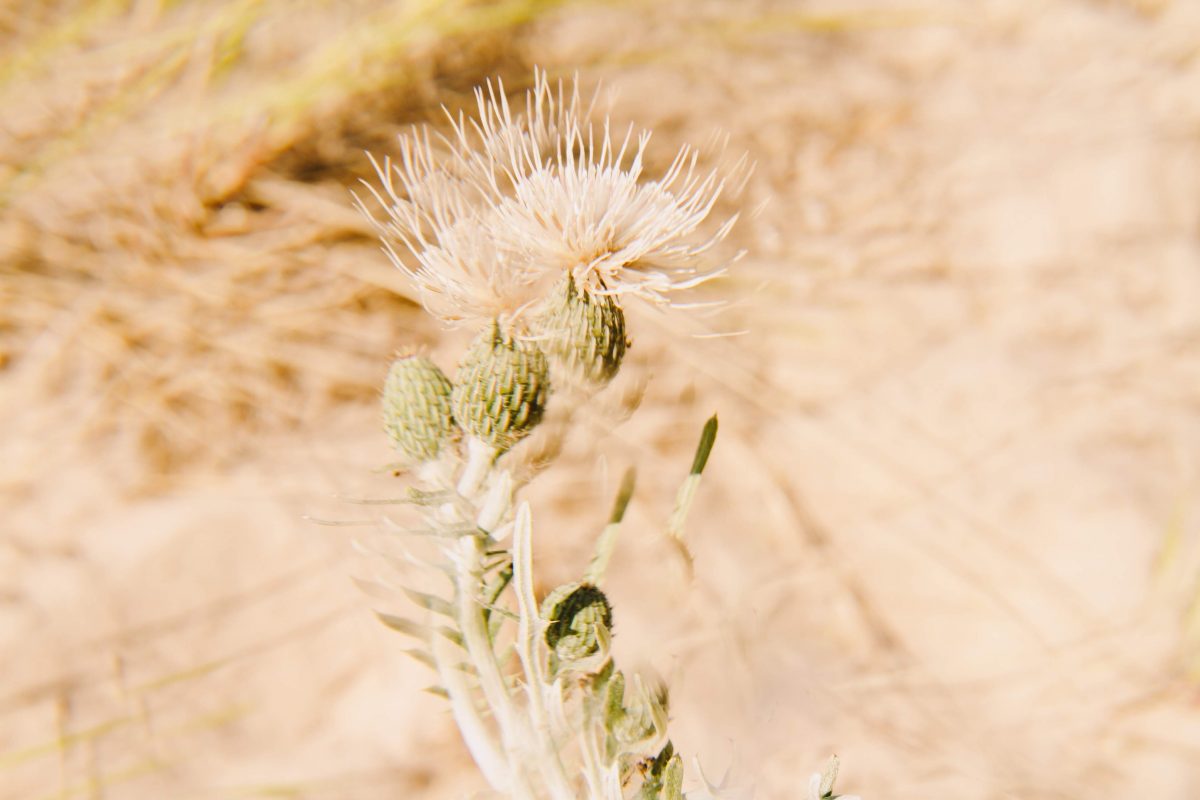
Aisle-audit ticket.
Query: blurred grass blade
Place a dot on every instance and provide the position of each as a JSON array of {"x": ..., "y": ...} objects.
[
  {"x": 708, "y": 437},
  {"x": 607, "y": 541},
  {"x": 687, "y": 491}
]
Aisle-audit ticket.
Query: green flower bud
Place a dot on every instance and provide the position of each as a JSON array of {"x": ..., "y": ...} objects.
[
  {"x": 501, "y": 390},
  {"x": 416, "y": 407},
  {"x": 575, "y": 613},
  {"x": 585, "y": 332}
]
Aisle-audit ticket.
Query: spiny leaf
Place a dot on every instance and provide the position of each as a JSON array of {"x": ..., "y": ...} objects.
[
  {"x": 418, "y": 631},
  {"x": 451, "y": 635},
  {"x": 422, "y": 656},
  {"x": 427, "y": 659},
  {"x": 429, "y": 498},
  {"x": 432, "y": 602},
  {"x": 405, "y": 626}
]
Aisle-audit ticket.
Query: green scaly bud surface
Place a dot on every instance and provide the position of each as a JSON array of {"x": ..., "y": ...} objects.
[
  {"x": 573, "y": 612},
  {"x": 416, "y": 408},
  {"x": 501, "y": 390},
  {"x": 585, "y": 332}
]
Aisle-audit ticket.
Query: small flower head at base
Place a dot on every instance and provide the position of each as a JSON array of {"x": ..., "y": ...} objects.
[
  {"x": 416, "y": 408},
  {"x": 578, "y": 621},
  {"x": 501, "y": 388},
  {"x": 584, "y": 333}
]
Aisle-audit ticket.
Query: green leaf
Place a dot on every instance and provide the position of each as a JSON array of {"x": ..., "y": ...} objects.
[
  {"x": 624, "y": 495},
  {"x": 707, "y": 438}
]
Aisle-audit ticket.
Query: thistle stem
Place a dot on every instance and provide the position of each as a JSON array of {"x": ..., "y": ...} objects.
[
  {"x": 477, "y": 737},
  {"x": 529, "y": 631},
  {"x": 480, "y": 456},
  {"x": 473, "y": 627}
]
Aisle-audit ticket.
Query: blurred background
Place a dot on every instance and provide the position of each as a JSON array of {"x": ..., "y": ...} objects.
[{"x": 950, "y": 529}]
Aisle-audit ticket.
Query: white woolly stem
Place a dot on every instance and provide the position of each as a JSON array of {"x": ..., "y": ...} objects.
[
  {"x": 528, "y": 633},
  {"x": 496, "y": 503},
  {"x": 592, "y": 770},
  {"x": 473, "y": 627},
  {"x": 480, "y": 456},
  {"x": 477, "y": 737}
]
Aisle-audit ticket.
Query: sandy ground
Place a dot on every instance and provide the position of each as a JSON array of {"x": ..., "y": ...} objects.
[{"x": 949, "y": 530}]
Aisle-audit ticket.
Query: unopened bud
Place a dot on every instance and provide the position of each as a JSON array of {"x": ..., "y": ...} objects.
[
  {"x": 501, "y": 388},
  {"x": 585, "y": 332},
  {"x": 578, "y": 620},
  {"x": 416, "y": 407}
]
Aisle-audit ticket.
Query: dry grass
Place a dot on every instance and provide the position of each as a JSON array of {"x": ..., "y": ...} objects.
[
  {"x": 179, "y": 253},
  {"x": 953, "y": 500}
]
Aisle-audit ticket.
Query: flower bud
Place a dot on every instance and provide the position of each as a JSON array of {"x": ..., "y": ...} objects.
[
  {"x": 578, "y": 618},
  {"x": 501, "y": 390},
  {"x": 416, "y": 407},
  {"x": 585, "y": 332}
]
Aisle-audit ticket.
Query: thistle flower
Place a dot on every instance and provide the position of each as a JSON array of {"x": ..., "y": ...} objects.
[
  {"x": 498, "y": 211},
  {"x": 539, "y": 223}
]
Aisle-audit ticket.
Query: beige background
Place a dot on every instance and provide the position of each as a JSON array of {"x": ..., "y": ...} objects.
[{"x": 950, "y": 528}]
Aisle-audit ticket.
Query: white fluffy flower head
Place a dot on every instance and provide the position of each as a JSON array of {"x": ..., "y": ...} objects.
[{"x": 496, "y": 212}]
